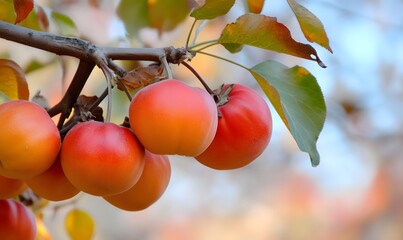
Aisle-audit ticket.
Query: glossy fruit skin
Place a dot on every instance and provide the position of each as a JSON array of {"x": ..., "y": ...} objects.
[
  {"x": 29, "y": 139},
  {"x": 11, "y": 187},
  {"x": 152, "y": 184},
  {"x": 17, "y": 222},
  {"x": 170, "y": 117},
  {"x": 101, "y": 158},
  {"x": 52, "y": 184},
  {"x": 244, "y": 130}
]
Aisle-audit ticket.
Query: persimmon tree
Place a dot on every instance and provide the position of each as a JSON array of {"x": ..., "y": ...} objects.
[{"x": 166, "y": 116}]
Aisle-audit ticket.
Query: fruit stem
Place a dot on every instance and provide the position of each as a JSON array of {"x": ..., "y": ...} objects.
[
  {"x": 67, "y": 128},
  {"x": 109, "y": 74},
  {"x": 99, "y": 100},
  {"x": 207, "y": 44},
  {"x": 200, "y": 78}
]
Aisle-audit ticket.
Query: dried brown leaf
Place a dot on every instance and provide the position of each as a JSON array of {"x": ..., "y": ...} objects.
[{"x": 141, "y": 77}]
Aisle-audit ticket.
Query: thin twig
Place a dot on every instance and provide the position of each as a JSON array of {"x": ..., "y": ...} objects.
[
  {"x": 109, "y": 74},
  {"x": 224, "y": 59},
  {"x": 205, "y": 45},
  {"x": 167, "y": 67},
  {"x": 190, "y": 33},
  {"x": 99, "y": 100},
  {"x": 125, "y": 89},
  {"x": 198, "y": 30},
  {"x": 65, "y": 105}
]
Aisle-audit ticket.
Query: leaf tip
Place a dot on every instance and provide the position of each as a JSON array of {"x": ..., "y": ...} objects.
[
  {"x": 315, "y": 163},
  {"x": 317, "y": 59},
  {"x": 322, "y": 65},
  {"x": 315, "y": 158}
]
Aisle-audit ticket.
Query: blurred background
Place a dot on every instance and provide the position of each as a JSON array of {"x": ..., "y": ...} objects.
[{"x": 354, "y": 193}]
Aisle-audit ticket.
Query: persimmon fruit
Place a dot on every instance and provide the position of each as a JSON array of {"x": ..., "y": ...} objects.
[
  {"x": 16, "y": 221},
  {"x": 170, "y": 117},
  {"x": 11, "y": 187},
  {"x": 244, "y": 129},
  {"x": 101, "y": 158},
  {"x": 149, "y": 188},
  {"x": 52, "y": 184},
  {"x": 29, "y": 139}
]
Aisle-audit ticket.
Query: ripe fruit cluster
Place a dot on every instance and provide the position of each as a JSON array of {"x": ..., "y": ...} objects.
[
  {"x": 171, "y": 117},
  {"x": 129, "y": 167}
]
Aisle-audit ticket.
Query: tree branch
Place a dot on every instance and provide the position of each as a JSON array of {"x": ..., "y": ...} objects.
[
  {"x": 73, "y": 91},
  {"x": 85, "y": 50},
  {"x": 60, "y": 45},
  {"x": 89, "y": 55}
]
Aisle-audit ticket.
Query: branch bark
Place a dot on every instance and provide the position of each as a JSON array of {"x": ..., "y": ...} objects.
[{"x": 85, "y": 50}]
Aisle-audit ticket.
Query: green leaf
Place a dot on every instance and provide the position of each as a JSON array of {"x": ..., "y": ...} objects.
[
  {"x": 12, "y": 80},
  {"x": 266, "y": 33},
  {"x": 212, "y": 9},
  {"x": 163, "y": 15},
  {"x": 79, "y": 225},
  {"x": 32, "y": 21},
  {"x": 233, "y": 47},
  {"x": 65, "y": 24},
  {"x": 298, "y": 99},
  {"x": 36, "y": 65},
  {"x": 255, "y": 6},
  {"x": 311, "y": 26},
  {"x": 134, "y": 14}
]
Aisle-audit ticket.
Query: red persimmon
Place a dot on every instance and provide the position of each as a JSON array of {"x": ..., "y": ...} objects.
[
  {"x": 244, "y": 129},
  {"x": 101, "y": 158}
]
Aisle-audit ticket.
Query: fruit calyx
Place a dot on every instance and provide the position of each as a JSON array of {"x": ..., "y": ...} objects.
[{"x": 221, "y": 95}]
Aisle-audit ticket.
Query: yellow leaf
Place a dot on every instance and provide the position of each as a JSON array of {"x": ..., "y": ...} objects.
[
  {"x": 255, "y": 6},
  {"x": 43, "y": 233},
  {"x": 266, "y": 32},
  {"x": 311, "y": 26},
  {"x": 7, "y": 13},
  {"x": 12, "y": 80},
  {"x": 79, "y": 225}
]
